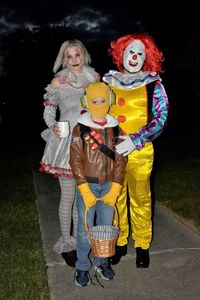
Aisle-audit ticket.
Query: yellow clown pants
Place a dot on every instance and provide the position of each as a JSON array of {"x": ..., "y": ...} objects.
[{"x": 137, "y": 181}]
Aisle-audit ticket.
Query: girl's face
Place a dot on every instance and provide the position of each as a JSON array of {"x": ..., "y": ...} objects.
[
  {"x": 134, "y": 56},
  {"x": 74, "y": 59}
]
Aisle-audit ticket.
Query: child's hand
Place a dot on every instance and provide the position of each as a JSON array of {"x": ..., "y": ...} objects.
[
  {"x": 88, "y": 197},
  {"x": 111, "y": 197}
]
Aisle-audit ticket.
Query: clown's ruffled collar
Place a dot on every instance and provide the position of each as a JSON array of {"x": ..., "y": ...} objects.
[{"x": 121, "y": 80}]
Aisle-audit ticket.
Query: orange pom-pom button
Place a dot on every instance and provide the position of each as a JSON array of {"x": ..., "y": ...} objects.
[
  {"x": 121, "y": 119},
  {"x": 121, "y": 101}
]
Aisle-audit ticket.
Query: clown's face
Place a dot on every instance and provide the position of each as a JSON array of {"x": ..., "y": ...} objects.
[{"x": 134, "y": 56}]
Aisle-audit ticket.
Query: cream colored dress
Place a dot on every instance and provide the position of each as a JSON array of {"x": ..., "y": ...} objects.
[{"x": 63, "y": 104}]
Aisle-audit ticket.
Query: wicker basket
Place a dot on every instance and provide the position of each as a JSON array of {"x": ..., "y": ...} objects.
[{"x": 103, "y": 238}]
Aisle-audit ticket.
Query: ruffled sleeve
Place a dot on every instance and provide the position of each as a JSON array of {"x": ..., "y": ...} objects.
[
  {"x": 51, "y": 104},
  {"x": 153, "y": 129}
]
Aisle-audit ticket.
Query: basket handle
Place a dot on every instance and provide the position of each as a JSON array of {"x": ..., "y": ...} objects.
[{"x": 115, "y": 213}]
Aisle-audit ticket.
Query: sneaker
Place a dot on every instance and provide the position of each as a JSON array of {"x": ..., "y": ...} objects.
[
  {"x": 81, "y": 278},
  {"x": 105, "y": 271}
]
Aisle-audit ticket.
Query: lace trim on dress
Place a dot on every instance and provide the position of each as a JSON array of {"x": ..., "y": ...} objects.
[
  {"x": 47, "y": 103},
  {"x": 55, "y": 171}
]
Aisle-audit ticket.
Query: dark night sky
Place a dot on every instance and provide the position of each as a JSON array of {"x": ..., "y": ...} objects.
[
  {"x": 99, "y": 22},
  {"x": 103, "y": 20},
  {"x": 98, "y": 18},
  {"x": 96, "y": 23}
]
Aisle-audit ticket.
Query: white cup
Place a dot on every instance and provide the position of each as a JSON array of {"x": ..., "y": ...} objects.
[{"x": 64, "y": 128}]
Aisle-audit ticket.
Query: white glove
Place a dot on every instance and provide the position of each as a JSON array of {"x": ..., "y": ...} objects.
[{"x": 125, "y": 147}]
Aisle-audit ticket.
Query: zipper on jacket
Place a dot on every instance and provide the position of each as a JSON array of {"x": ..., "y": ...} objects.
[{"x": 106, "y": 165}]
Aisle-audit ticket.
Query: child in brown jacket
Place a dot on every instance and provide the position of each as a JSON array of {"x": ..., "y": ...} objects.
[{"x": 99, "y": 173}]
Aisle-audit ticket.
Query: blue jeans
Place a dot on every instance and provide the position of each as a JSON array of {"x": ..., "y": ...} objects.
[{"x": 104, "y": 216}]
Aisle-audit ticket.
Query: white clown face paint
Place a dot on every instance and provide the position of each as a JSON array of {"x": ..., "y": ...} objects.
[{"x": 134, "y": 56}]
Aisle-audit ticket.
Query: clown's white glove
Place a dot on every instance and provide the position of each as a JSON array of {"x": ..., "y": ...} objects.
[{"x": 125, "y": 147}]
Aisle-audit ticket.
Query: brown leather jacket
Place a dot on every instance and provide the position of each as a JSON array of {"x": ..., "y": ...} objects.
[{"x": 93, "y": 165}]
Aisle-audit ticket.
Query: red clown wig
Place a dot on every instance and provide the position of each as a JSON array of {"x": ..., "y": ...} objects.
[{"x": 154, "y": 57}]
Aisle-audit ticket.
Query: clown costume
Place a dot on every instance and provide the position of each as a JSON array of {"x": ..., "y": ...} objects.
[{"x": 142, "y": 110}]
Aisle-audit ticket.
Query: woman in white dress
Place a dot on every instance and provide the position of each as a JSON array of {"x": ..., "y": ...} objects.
[{"x": 63, "y": 96}]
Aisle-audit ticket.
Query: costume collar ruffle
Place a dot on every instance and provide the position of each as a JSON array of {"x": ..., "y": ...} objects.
[
  {"x": 130, "y": 82},
  {"x": 81, "y": 80},
  {"x": 85, "y": 119}
]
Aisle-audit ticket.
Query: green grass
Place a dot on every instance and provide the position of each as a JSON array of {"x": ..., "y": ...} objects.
[
  {"x": 177, "y": 179},
  {"x": 23, "y": 270}
]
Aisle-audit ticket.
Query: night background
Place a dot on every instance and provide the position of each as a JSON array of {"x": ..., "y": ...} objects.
[{"x": 31, "y": 34}]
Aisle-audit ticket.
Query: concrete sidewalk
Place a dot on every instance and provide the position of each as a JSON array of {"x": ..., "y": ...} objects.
[{"x": 174, "y": 271}]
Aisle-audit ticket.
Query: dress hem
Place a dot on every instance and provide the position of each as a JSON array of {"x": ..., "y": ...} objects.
[{"x": 55, "y": 171}]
